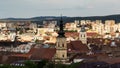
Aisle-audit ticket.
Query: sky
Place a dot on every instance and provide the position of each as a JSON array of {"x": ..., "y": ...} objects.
[{"x": 72, "y": 8}]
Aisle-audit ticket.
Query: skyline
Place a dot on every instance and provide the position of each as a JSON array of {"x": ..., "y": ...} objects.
[{"x": 33, "y": 8}]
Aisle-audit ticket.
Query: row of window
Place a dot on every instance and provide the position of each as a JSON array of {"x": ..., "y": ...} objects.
[
  {"x": 60, "y": 45},
  {"x": 83, "y": 35}
]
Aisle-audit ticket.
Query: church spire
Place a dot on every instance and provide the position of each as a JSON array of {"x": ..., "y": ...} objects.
[
  {"x": 61, "y": 45},
  {"x": 61, "y": 31}
]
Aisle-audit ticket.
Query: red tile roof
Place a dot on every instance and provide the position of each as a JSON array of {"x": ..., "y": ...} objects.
[
  {"x": 73, "y": 34},
  {"x": 34, "y": 54},
  {"x": 112, "y": 60},
  {"x": 92, "y": 34},
  {"x": 95, "y": 40},
  {"x": 77, "y": 46},
  {"x": 22, "y": 55},
  {"x": 42, "y": 53}
]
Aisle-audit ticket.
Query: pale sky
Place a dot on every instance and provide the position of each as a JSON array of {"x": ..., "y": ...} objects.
[{"x": 33, "y": 8}]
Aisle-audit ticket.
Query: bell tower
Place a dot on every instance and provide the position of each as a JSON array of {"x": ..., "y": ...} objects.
[
  {"x": 61, "y": 45},
  {"x": 83, "y": 35}
]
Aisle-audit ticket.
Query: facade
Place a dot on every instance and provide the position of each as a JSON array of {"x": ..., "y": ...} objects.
[{"x": 70, "y": 26}]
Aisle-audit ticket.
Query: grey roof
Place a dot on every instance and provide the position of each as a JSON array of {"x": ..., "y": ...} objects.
[{"x": 82, "y": 28}]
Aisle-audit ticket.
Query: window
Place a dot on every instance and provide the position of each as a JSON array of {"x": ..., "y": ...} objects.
[
  {"x": 84, "y": 35},
  {"x": 62, "y": 45},
  {"x": 81, "y": 35},
  {"x": 63, "y": 56}
]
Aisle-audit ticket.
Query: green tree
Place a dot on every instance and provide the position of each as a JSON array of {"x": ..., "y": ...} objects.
[
  {"x": 61, "y": 66},
  {"x": 74, "y": 65},
  {"x": 49, "y": 65},
  {"x": 30, "y": 64},
  {"x": 42, "y": 63},
  {"x": 5, "y": 66}
]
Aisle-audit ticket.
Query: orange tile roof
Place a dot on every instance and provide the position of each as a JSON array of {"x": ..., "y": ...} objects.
[
  {"x": 89, "y": 34},
  {"x": 72, "y": 34}
]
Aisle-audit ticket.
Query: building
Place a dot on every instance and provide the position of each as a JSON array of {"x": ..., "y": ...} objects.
[
  {"x": 49, "y": 24},
  {"x": 83, "y": 35},
  {"x": 61, "y": 46}
]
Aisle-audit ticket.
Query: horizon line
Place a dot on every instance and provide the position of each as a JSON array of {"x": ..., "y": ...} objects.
[{"x": 60, "y": 16}]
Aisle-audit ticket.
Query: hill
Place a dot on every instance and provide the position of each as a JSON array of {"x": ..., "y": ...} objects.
[{"x": 40, "y": 19}]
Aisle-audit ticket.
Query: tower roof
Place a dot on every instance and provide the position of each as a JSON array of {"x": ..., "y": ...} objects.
[
  {"x": 82, "y": 28},
  {"x": 61, "y": 31}
]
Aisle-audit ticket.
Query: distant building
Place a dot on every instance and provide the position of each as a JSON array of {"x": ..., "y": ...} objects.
[
  {"x": 49, "y": 24},
  {"x": 71, "y": 26}
]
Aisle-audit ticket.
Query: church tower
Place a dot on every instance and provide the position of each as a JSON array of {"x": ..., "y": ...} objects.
[
  {"x": 83, "y": 35},
  {"x": 61, "y": 45}
]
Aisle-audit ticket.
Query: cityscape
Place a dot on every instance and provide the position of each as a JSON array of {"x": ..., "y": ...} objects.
[
  {"x": 81, "y": 41},
  {"x": 59, "y": 34}
]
